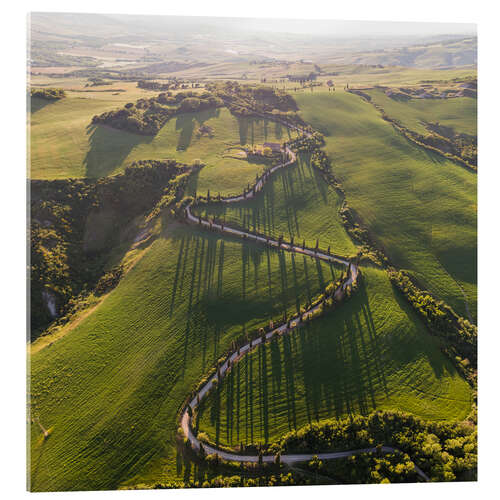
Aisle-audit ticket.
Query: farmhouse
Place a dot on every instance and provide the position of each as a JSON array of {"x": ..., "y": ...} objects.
[{"x": 275, "y": 147}]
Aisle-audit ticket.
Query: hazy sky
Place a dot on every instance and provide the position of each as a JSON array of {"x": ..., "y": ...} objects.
[{"x": 326, "y": 27}]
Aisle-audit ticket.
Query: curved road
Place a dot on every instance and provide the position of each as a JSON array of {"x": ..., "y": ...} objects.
[{"x": 236, "y": 356}]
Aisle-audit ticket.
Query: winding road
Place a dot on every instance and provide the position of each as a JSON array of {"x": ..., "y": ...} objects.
[{"x": 236, "y": 356}]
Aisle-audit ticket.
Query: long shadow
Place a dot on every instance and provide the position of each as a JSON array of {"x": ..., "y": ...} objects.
[
  {"x": 288, "y": 362},
  {"x": 264, "y": 391},
  {"x": 35, "y": 465},
  {"x": 238, "y": 399},
  {"x": 229, "y": 386},
  {"x": 108, "y": 149},
  {"x": 243, "y": 130},
  {"x": 185, "y": 123},
  {"x": 36, "y": 104},
  {"x": 182, "y": 256},
  {"x": 366, "y": 363},
  {"x": 439, "y": 363}
]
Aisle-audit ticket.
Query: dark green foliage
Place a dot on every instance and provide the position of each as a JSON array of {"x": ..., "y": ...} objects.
[
  {"x": 109, "y": 280},
  {"x": 368, "y": 468},
  {"x": 147, "y": 116},
  {"x": 247, "y": 100},
  {"x": 444, "y": 451},
  {"x": 65, "y": 261},
  {"x": 152, "y": 85},
  {"x": 48, "y": 94},
  {"x": 440, "y": 318}
]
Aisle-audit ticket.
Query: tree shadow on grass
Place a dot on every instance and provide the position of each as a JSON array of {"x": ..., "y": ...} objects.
[
  {"x": 108, "y": 149},
  {"x": 36, "y": 104},
  {"x": 186, "y": 122}
]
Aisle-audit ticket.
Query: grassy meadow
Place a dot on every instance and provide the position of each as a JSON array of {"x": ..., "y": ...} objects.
[
  {"x": 110, "y": 389},
  {"x": 459, "y": 113},
  {"x": 109, "y": 386},
  {"x": 296, "y": 202},
  {"x": 420, "y": 207},
  {"x": 64, "y": 143},
  {"x": 372, "y": 353}
]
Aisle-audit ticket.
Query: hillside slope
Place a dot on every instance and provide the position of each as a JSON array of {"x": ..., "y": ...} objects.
[
  {"x": 129, "y": 365},
  {"x": 420, "y": 207},
  {"x": 372, "y": 353}
]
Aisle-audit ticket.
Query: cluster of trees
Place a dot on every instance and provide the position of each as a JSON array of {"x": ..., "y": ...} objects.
[
  {"x": 162, "y": 87},
  {"x": 444, "y": 451},
  {"x": 241, "y": 479},
  {"x": 445, "y": 139},
  {"x": 97, "y": 82},
  {"x": 366, "y": 468},
  {"x": 48, "y": 94},
  {"x": 147, "y": 116},
  {"x": 308, "y": 144},
  {"x": 109, "y": 280},
  {"x": 247, "y": 100},
  {"x": 63, "y": 265},
  {"x": 280, "y": 479},
  {"x": 152, "y": 85},
  {"x": 440, "y": 318},
  {"x": 302, "y": 79}
]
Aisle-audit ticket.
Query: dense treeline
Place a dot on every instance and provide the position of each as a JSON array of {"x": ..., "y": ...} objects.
[
  {"x": 250, "y": 100},
  {"x": 152, "y": 85},
  {"x": 75, "y": 224},
  {"x": 367, "y": 468},
  {"x": 174, "y": 84},
  {"x": 147, "y": 116},
  {"x": 441, "y": 451},
  {"x": 442, "y": 321},
  {"x": 444, "y": 451},
  {"x": 48, "y": 94}
]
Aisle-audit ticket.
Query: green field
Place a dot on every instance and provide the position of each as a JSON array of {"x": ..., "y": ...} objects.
[
  {"x": 420, "y": 207},
  {"x": 110, "y": 389},
  {"x": 296, "y": 202},
  {"x": 459, "y": 113},
  {"x": 65, "y": 144},
  {"x": 372, "y": 353}
]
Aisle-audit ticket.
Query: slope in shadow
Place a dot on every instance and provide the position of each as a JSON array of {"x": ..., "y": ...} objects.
[
  {"x": 108, "y": 149},
  {"x": 186, "y": 122}
]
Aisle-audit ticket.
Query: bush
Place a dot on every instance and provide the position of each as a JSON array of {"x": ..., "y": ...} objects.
[
  {"x": 48, "y": 94},
  {"x": 148, "y": 116},
  {"x": 439, "y": 317},
  {"x": 62, "y": 267}
]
